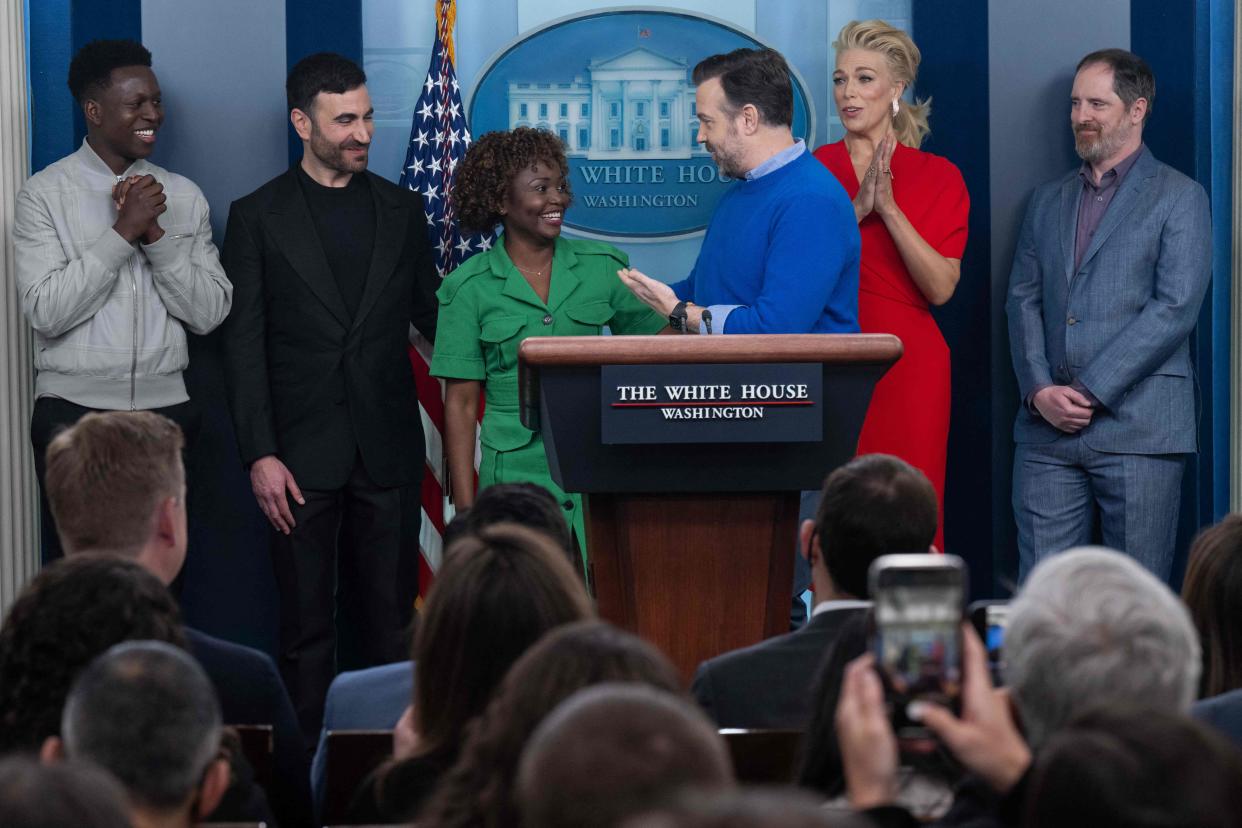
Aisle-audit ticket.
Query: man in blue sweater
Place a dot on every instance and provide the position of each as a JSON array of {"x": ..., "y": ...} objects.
[{"x": 781, "y": 252}]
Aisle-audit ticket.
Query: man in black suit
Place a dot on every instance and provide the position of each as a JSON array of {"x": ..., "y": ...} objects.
[
  {"x": 872, "y": 506},
  {"x": 116, "y": 486},
  {"x": 331, "y": 265}
]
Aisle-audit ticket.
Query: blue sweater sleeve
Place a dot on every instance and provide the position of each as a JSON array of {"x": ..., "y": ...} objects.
[{"x": 812, "y": 261}]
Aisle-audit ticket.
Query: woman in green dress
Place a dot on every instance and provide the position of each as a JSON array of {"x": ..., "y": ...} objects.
[{"x": 531, "y": 282}]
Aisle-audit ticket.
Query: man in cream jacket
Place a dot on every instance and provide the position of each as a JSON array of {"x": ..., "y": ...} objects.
[{"x": 114, "y": 261}]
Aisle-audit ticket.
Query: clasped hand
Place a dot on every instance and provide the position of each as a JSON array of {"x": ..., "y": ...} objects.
[
  {"x": 139, "y": 201},
  {"x": 1064, "y": 407},
  {"x": 875, "y": 191}
]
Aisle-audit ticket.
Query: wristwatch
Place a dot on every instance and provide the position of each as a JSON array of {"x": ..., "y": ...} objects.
[{"x": 677, "y": 318}]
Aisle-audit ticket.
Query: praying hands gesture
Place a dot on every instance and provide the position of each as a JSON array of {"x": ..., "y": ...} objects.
[{"x": 875, "y": 191}]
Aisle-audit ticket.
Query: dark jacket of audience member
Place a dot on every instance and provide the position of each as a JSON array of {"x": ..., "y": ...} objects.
[
  {"x": 61, "y": 795},
  {"x": 496, "y": 594},
  {"x": 873, "y": 505},
  {"x": 820, "y": 768},
  {"x": 1212, "y": 591},
  {"x": 479, "y": 790},
  {"x": 615, "y": 750}
]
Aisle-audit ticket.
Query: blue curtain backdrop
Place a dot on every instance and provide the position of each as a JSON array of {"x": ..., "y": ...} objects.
[{"x": 1190, "y": 48}]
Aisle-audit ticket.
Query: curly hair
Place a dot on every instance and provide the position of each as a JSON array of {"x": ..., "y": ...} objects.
[
  {"x": 71, "y": 612},
  {"x": 484, "y": 175},
  {"x": 480, "y": 788},
  {"x": 91, "y": 68}
]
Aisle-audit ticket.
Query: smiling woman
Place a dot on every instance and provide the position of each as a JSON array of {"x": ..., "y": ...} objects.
[{"x": 531, "y": 283}]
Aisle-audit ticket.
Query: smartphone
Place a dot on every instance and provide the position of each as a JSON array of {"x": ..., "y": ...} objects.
[
  {"x": 916, "y": 632},
  {"x": 990, "y": 618}
]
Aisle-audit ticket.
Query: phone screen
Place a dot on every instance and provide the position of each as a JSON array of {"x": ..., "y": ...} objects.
[{"x": 917, "y": 642}]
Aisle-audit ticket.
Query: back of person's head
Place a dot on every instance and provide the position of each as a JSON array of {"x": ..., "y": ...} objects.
[
  {"x": 91, "y": 68},
  {"x": 874, "y": 505},
  {"x": 749, "y": 808},
  {"x": 614, "y": 750},
  {"x": 820, "y": 768},
  {"x": 759, "y": 77},
  {"x": 1092, "y": 628},
  {"x": 523, "y": 504},
  {"x": 72, "y": 611},
  {"x": 147, "y": 713},
  {"x": 498, "y": 591},
  {"x": 60, "y": 795},
  {"x": 108, "y": 475},
  {"x": 753, "y": 808},
  {"x": 321, "y": 72},
  {"x": 1134, "y": 767},
  {"x": 479, "y": 790},
  {"x": 1212, "y": 591}
]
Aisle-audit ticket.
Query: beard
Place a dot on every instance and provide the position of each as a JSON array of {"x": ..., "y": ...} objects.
[
  {"x": 727, "y": 155},
  {"x": 1100, "y": 144},
  {"x": 333, "y": 155}
]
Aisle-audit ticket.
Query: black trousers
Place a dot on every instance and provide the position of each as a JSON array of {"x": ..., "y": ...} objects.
[
  {"x": 52, "y": 415},
  {"x": 348, "y": 559}
]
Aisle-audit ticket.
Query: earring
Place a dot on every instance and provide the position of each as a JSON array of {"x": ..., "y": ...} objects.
[{"x": 896, "y": 107}]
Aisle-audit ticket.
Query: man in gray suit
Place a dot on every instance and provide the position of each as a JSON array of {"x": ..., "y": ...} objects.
[{"x": 1111, "y": 267}]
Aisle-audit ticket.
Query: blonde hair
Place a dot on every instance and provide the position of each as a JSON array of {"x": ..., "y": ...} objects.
[{"x": 903, "y": 57}]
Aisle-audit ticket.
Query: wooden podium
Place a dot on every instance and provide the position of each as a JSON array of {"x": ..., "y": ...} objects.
[{"x": 692, "y": 499}]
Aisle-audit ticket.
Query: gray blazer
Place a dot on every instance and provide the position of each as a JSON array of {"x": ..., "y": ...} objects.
[{"x": 1121, "y": 324}]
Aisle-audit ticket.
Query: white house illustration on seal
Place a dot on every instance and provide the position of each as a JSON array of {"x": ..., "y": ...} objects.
[{"x": 638, "y": 105}]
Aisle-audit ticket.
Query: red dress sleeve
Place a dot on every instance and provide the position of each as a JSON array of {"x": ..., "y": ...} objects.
[{"x": 942, "y": 206}]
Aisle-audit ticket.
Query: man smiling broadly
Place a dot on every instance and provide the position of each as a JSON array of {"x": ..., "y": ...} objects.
[{"x": 114, "y": 261}]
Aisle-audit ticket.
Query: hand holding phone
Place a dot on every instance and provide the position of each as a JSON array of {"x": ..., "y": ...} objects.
[{"x": 916, "y": 636}]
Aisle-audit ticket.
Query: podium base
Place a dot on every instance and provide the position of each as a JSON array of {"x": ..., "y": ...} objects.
[{"x": 694, "y": 574}]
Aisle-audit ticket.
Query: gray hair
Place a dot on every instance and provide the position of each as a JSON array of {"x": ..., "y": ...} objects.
[
  {"x": 1091, "y": 628},
  {"x": 147, "y": 713}
]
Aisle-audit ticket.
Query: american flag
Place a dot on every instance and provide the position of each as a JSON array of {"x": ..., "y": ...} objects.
[{"x": 438, "y": 140}]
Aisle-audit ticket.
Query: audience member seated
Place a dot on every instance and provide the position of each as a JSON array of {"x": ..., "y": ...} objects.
[
  {"x": 1124, "y": 768},
  {"x": 615, "y": 750},
  {"x": 872, "y": 506},
  {"x": 146, "y": 712},
  {"x": 479, "y": 790},
  {"x": 64, "y": 795},
  {"x": 820, "y": 769},
  {"x": 1212, "y": 590},
  {"x": 758, "y": 808},
  {"x": 375, "y": 698},
  {"x": 68, "y": 614},
  {"x": 497, "y": 592},
  {"x": 1091, "y": 629},
  {"x": 116, "y": 486}
]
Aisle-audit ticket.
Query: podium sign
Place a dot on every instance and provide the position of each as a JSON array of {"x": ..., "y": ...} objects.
[{"x": 736, "y": 403}]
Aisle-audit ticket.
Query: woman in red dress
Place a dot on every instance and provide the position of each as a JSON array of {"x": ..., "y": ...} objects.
[{"x": 912, "y": 208}]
